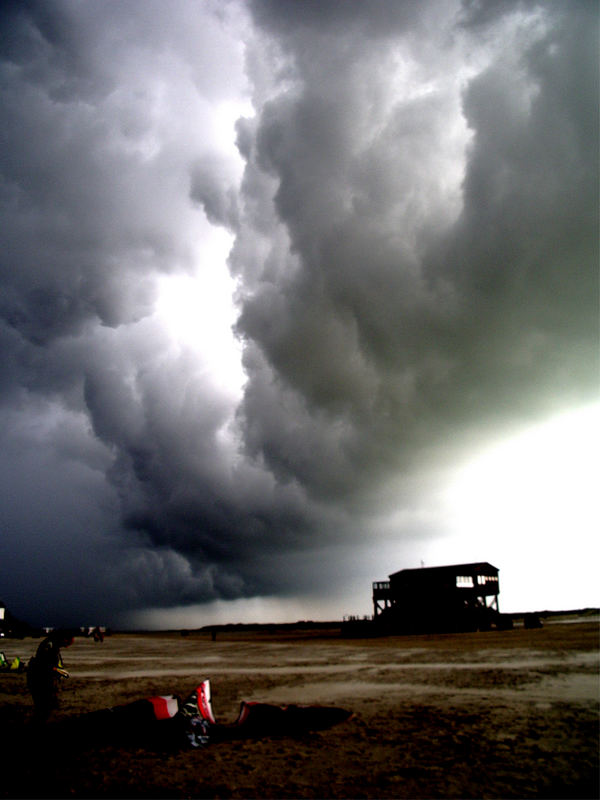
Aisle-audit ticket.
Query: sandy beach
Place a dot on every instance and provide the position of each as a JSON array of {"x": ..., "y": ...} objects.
[{"x": 486, "y": 715}]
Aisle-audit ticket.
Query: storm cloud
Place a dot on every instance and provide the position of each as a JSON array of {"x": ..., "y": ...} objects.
[{"x": 409, "y": 216}]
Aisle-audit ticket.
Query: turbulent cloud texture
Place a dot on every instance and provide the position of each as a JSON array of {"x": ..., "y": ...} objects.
[{"x": 411, "y": 213}]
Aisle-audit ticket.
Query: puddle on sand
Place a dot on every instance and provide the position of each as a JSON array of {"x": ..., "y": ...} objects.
[
  {"x": 574, "y": 688},
  {"x": 183, "y": 669}
]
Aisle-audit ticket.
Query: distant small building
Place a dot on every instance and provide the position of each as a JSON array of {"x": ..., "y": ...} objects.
[
  {"x": 459, "y": 597},
  {"x": 11, "y": 626}
]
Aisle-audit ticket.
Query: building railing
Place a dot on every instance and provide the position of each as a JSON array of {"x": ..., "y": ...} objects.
[{"x": 381, "y": 588}]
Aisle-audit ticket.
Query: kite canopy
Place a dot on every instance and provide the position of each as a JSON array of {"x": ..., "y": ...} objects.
[
  {"x": 165, "y": 706},
  {"x": 165, "y": 720}
]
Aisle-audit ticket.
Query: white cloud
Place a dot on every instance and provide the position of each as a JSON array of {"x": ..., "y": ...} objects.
[{"x": 529, "y": 506}]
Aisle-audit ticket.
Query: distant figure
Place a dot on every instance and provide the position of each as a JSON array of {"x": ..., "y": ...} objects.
[
  {"x": 44, "y": 673},
  {"x": 97, "y": 635}
]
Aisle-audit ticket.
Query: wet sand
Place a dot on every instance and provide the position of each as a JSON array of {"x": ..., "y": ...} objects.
[{"x": 487, "y": 715}]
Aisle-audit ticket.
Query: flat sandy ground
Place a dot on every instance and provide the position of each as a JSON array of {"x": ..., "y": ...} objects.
[{"x": 486, "y": 715}]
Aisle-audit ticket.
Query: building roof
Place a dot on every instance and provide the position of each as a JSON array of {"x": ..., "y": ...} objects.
[{"x": 475, "y": 568}]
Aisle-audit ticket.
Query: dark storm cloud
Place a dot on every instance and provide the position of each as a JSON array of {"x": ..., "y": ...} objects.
[
  {"x": 408, "y": 326},
  {"x": 106, "y": 115},
  {"x": 415, "y": 252}
]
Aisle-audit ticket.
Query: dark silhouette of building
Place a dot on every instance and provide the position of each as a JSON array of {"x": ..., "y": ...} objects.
[{"x": 460, "y": 597}]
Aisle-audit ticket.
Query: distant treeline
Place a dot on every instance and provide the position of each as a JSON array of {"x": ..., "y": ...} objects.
[
  {"x": 13, "y": 628},
  {"x": 312, "y": 625},
  {"x": 576, "y": 612},
  {"x": 271, "y": 626}
]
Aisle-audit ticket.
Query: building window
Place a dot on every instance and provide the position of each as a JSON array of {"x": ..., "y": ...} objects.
[{"x": 464, "y": 581}]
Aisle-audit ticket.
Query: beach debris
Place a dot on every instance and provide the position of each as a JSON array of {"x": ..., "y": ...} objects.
[
  {"x": 532, "y": 621},
  {"x": 16, "y": 665}
]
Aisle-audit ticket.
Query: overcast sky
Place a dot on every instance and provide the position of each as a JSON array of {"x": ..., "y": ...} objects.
[{"x": 295, "y": 295}]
